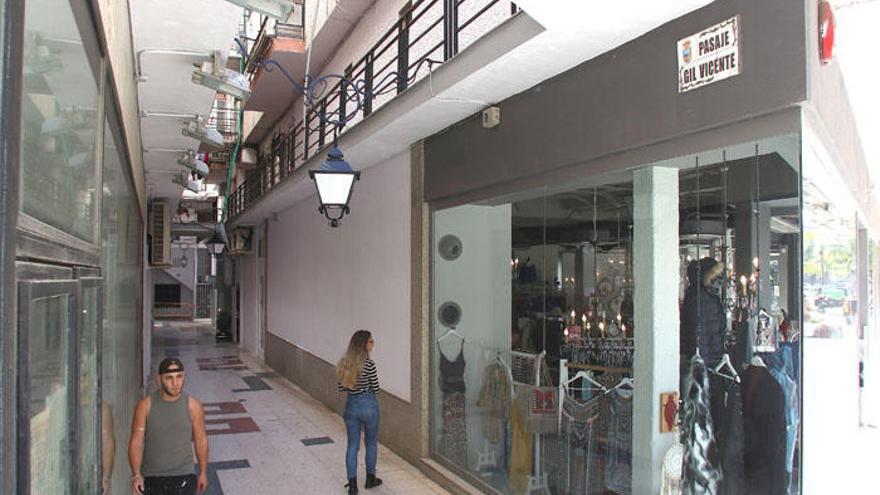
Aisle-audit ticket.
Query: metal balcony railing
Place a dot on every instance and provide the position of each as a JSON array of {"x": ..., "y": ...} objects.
[{"x": 431, "y": 31}]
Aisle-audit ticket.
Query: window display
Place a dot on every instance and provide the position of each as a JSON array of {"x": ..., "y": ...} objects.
[
  {"x": 739, "y": 318},
  {"x": 544, "y": 287}
]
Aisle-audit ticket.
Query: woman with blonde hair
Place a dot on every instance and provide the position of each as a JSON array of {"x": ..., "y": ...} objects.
[{"x": 356, "y": 374}]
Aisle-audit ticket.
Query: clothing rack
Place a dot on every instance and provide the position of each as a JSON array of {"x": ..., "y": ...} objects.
[
  {"x": 538, "y": 481},
  {"x": 596, "y": 367}
]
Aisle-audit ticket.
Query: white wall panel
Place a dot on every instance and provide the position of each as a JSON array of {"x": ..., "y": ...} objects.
[{"x": 324, "y": 283}]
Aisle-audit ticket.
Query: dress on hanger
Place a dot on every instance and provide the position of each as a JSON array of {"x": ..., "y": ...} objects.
[
  {"x": 579, "y": 435},
  {"x": 618, "y": 471},
  {"x": 453, "y": 441},
  {"x": 495, "y": 399}
]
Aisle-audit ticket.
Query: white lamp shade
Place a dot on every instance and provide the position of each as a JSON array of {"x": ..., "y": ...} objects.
[{"x": 334, "y": 188}]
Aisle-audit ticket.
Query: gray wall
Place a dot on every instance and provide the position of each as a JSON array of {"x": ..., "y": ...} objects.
[{"x": 626, "y": 99}]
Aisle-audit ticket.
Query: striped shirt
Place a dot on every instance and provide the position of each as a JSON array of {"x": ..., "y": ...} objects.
[{"x": 367, "y": 382}]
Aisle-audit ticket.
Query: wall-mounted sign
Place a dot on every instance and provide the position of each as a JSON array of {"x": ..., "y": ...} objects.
[
  {"x": 826, "y": 32},
  {"x": 709, "y": 56}
]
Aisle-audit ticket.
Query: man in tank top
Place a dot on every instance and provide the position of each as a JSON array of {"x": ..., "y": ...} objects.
[{"x": 166, "y": 424}]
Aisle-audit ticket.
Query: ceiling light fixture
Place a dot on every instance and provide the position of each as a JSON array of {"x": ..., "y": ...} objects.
[
  {"x": 215, "y": 76},
  {"x": 197, "y": 129},
  {"x": 186, "y": 182},
  {"x": 191, "y": 162}
]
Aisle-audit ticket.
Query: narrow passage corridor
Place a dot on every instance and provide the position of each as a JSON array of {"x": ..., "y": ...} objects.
[{"x": 266, "y": 435}]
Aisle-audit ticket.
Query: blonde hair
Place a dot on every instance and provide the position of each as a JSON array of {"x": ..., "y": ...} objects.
[{"x": 349, "y": 368}]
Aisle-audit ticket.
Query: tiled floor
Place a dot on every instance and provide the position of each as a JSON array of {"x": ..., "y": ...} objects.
[{"x": 257, "y": 422}]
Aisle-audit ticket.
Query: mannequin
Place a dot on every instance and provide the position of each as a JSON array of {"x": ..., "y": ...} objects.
[{"x": 702, "y": 312}]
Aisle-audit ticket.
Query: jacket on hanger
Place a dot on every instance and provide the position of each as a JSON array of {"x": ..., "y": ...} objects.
[{"x": 764, "y": 433}]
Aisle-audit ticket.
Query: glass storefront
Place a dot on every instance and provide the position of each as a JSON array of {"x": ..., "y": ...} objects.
[
  {"x": 537, "y": 331},
  {"x": 79, "y": 289}
]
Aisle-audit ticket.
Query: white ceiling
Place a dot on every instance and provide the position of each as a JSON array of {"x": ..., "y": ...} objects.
[
  {"x": 572, "y": 33},
  {"x": 174, "y": 25}
]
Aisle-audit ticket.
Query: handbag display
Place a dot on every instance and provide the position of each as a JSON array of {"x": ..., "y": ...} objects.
[{"x": 539, "y": 404}]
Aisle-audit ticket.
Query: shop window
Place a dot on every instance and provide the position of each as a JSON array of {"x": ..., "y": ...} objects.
[
  {"x": 533, "y": 316},
  {"x": 740, "y": 325},
  {"x": 60, "y": 123},
  {"x": 528, "y": 292}
]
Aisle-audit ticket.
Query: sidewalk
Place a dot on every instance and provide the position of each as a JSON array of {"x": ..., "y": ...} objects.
[{"x": 259, "y": 424}]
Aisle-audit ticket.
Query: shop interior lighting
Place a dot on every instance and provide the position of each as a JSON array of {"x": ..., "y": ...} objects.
[
  {"x": 279, "y": 9},
  {"x": 191, "y": 162},
  {"x": 197, "y": 129},
  {"x": 214, "y": 76}
]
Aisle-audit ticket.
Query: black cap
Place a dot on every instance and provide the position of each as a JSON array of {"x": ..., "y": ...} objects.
[{"x": 170, "y": 365}]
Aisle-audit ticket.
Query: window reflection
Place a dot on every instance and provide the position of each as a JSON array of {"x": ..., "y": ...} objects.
[
  {"x": 48, "y": 412},
  {"x": 59, "y": 122}
]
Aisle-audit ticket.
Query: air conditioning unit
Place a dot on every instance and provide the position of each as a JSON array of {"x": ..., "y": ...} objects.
[{"x": 160, "y": 234}]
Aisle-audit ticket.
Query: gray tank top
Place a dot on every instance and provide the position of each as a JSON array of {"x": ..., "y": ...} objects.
[{"x": 168, "y": 446}]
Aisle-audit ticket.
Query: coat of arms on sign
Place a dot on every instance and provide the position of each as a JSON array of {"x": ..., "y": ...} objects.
[{"x": 686, "y": 51}]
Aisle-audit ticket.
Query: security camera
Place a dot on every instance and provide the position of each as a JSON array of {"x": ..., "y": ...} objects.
[
  {"x": 197, "y": 129},
  {"x": 213, "y": 75},
  {"x": 190, "y": 161},
  {"x": 279, "y": 9}
]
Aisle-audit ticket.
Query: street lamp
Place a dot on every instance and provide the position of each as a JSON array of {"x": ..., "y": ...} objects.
[
  {"x": 215, "y": 243},
  {"x": 334, "y": 181}
]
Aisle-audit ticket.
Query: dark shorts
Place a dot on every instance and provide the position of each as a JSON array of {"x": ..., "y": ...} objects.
[{"x": 170, "y": 485}]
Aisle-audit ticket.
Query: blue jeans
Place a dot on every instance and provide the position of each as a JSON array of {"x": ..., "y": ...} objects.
[{"x": 361, "y": 413}]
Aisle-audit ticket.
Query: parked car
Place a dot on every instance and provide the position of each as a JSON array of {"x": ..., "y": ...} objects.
[{"x": 830, "y": 298}]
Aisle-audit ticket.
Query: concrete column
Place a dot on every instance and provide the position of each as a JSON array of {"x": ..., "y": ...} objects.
[{"x": 656, "y": 269}]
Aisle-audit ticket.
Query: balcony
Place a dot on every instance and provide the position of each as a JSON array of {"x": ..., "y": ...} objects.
[
  {"x": 428, "y": 34},
  {"x": 265, "y": 37}
]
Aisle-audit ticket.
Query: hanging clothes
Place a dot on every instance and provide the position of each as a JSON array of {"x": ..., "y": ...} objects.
[
  {"x": 520, "y": 453},
  {"x": 453, "y": 439},
  {"x": 579, "y": 471},
  {"x": 618, "y": 468},
  {"x": 496, "y": 398},
  {"x": 700, "y": 473},
  {"x": 764, "y": 433},
  {"x": 725, "y": 399},
  {"x": 776, "y": 366}
]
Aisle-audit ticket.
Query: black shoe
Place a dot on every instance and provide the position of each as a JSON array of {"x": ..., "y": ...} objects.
[
  {"x": 372, "y": 481},
  {"x": 352, "y": 486}
]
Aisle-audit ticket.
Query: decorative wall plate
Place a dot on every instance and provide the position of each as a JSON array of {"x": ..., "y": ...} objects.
[
  {"x": 449, "y": 247},
  {"x": 449, "y": 314}
]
